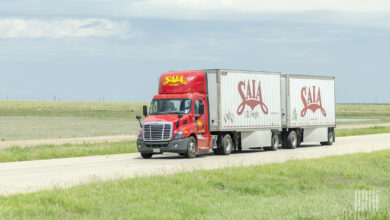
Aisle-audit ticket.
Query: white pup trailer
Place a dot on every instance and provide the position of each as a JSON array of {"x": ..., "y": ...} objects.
[{"x": 308, "y": 109}]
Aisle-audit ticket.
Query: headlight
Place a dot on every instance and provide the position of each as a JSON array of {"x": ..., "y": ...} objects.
[
  {"x": 139, "y": 137},
  {"x": 178, "y": 135}
]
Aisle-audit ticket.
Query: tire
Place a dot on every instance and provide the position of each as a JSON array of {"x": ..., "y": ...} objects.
[
  {"x": 191, "y": 148},
  {"x": 330, "y": 139},
  {"x": 146, "y": 155},
  {"x": 274, "y": 143},
  {"x": 292, "y": 140},
  {"x": 227, "y": 145}
]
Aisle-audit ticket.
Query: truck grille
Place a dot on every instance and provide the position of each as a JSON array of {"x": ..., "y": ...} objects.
[{"x": 157, "y": 131}]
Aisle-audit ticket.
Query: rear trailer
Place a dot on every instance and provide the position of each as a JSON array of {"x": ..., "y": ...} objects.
[{"x": 308, "y": 109}]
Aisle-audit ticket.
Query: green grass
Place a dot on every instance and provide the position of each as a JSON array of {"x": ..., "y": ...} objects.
[
  {"x": 362, "y": 131},
  {"x": 67, "y": 150},
  {"x": 41, "y": 120},
  {"x": 71, "y": 109},
  {"x": 39, "y": 127},
  {"x": 381, "y": 112},
  {"x": 308, "y": 189}
]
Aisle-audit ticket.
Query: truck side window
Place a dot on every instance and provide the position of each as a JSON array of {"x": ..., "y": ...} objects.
[{"x": 196, "y": 106}]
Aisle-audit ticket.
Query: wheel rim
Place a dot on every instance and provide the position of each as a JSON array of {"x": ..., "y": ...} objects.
[
  {"x": 331, "y": 137},
  {"x": 276, "y": 141},
  {"x": 294, "y": 142},
  {"x": 192, "y": 147},
  {"x": 228, "y": 145}
]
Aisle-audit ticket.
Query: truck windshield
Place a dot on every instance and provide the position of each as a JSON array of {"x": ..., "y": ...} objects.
[{"x": 170, "y": 106}]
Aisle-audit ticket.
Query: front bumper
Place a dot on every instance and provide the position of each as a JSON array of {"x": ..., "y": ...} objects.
[{"x": 174, "y": 146}]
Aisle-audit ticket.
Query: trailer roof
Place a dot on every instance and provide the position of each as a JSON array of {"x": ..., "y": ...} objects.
[
  {"x": 308, "y": 76},
  {"x": 269, "y": 72}
]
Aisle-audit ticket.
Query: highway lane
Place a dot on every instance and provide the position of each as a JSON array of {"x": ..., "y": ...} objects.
[{"x": 31, "y": 176}]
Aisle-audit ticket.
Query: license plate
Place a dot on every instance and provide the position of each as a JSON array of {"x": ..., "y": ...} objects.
[{"x": 156, "y": 150}]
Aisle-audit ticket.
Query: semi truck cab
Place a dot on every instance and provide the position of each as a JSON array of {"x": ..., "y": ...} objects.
[{"x": 178, "y": 117}]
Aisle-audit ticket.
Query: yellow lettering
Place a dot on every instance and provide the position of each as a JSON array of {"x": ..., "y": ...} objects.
[{"x": 174, "y": 80}]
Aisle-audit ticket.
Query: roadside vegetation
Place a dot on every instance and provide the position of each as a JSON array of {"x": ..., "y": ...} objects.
[
  {"x": 66, "y": 150},
  {"x": 307, "y": 189},
  {"x": 362, "y": 131},
  {"x": 362, "y": 111},
  {"x": 42, "y": 120}
]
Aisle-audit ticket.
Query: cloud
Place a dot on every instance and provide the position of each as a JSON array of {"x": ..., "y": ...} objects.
[
  {"x": 63, "y": 28},
  {"x": 273, "y": 6}
]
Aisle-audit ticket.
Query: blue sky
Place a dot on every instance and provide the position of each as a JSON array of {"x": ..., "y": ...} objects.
[{"x": 87, "y": 50}]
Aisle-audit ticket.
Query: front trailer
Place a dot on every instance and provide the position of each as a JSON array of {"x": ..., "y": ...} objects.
[{"x": 233, "y": 110}]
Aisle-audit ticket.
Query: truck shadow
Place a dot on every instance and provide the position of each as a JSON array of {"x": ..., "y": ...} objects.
[{"x": 170, "y": 156}]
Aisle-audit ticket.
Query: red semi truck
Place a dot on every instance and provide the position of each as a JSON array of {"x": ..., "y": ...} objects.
[{"x": 232, "y": 110}]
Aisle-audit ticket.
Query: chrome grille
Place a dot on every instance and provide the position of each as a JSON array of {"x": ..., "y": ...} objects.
[{"x": 157, "y": 131}]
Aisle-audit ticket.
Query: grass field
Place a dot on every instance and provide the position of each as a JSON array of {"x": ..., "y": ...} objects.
[
  {"x": 362, "y": 131},
  {"x": 67, "y": 150},
  {"x": 42, "y": 120},
  {"x": 307, "y": 189},
  {"x": 381, "y": 112}
]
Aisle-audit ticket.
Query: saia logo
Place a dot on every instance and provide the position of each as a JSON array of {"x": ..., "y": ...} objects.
[
  {"x": 311, "y": 100},
  {"x": 174, "y": 80},
  {"x": 250, "y": 96}
]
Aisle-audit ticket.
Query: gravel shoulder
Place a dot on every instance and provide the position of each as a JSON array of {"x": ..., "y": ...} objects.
[{"x": 31, "y": 176}]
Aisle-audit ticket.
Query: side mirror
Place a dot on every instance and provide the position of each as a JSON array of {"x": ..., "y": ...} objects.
[
  {"x": 145, "y": 110},
  {"x": 178, "y": 121},
  {"x": 201, "y": 109},
  {"x": 138, "y": 117}
]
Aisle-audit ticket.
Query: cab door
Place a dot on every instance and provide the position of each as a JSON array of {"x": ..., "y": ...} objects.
[{"x": 202, "y": 135}]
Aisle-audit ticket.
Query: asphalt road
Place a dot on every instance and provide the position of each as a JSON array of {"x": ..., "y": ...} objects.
[{"x": 30, "y": 176}]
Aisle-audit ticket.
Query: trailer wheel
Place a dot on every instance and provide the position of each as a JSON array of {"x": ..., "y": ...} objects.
[
  {"x": 292, "y": 140},
  {"x": 227, "y": 145},
  {"x": 146, "y": 155},
  {"x": 330, "y": 139},
  {"x": 191, "y": 148},
  {"x": 275, "y": 141}
]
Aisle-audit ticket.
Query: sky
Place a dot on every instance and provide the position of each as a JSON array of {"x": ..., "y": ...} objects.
[{"x": 115, "y": 50}]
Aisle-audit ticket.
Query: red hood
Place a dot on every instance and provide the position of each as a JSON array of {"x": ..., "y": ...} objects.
[{"x": 160, "y": 118}]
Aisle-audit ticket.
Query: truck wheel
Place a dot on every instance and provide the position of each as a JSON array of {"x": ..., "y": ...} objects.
[
  {"x": 227, "y": 145},
  {"x": 274, "y": 143},
  {"x": 330, "y": 139},
  {"x": 146, "y": 155},
  {"x": 191, "y": 148},
  {"x": 292, "y": 140}
]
